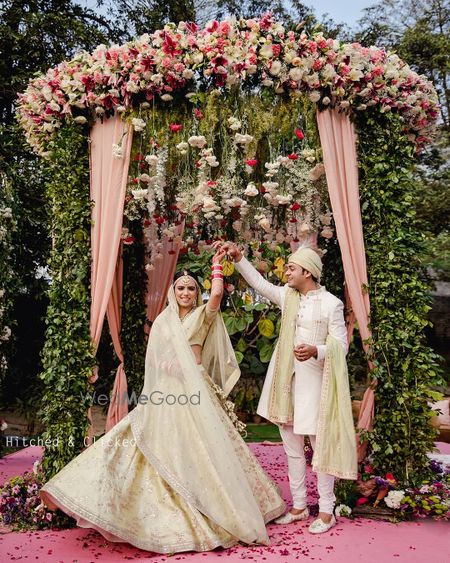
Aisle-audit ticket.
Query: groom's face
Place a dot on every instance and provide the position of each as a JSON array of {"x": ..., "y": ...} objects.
[{"x": 296, "y": 276}]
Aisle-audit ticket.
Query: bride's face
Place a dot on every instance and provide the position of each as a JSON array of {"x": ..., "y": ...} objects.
[{"x": 186, "y": 293}]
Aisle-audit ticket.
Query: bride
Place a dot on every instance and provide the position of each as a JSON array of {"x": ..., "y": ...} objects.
[{"x": 174, "y": 474}]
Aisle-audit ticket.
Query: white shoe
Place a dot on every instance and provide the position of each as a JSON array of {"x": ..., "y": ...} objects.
[
  {"x": 319, "y": 526},
  {"x": 288, "y": 518}
]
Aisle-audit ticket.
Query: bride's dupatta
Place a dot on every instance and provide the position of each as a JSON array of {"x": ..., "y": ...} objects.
[{"x": 186, "y": 442}]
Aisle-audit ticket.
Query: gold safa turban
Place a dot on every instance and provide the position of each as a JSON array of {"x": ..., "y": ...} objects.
[{"x": 308, "y": 259}]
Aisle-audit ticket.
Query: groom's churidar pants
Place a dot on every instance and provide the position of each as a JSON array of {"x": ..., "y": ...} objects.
[{"x": 294, "y": 448}]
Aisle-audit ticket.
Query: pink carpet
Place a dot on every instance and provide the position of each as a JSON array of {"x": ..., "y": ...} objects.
[{"x": 351, "y": 541}]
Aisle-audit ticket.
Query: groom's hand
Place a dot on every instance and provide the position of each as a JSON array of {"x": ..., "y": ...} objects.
[
  {"x": 303, "y": 352},
  {"x": 230, "y": 248}
]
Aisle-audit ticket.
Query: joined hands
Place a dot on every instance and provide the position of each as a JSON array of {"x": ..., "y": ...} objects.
[{"x": 229, "y": 249}]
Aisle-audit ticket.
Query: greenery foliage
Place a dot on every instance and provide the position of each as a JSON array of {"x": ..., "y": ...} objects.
[
  {"x": 405, "y": 368},
  {"x": 133, "y": 310},
  {"x": 68, "y": 358},
  {"x": 8, "y": 279}
]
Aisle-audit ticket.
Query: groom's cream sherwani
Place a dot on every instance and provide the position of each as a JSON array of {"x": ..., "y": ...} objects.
[{"x": 320, "y": 314}]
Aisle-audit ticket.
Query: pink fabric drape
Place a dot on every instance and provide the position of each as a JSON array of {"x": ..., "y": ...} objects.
[
  {"x": 160, "y": 277},
  {"x": 118, "y": 407},
  {"x": 108, "y": 180},
  {"x": 338, "y": 140}
]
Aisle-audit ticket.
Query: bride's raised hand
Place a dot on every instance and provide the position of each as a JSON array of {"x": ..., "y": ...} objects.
[{"x": 219, "y": 256}]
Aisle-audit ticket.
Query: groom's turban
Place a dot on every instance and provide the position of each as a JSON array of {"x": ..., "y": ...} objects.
[{"x": 308, "y": 259}]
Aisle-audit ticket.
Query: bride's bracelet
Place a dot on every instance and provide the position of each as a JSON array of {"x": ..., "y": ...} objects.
[{"x": 216, "y": 272}]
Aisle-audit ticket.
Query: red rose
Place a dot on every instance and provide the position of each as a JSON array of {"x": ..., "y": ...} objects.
[
  {"x": 251, "y": 162},
  {"x": 295, "y": 206},
  {"x": 299, "y": 134},
  {"x": 276, "y": 50},
  {"x": 361, "y": 501},
  {"x": 175, "y": 127},
  {"x": 293, "y": 156},
  {"x": 198, "y": 114}
]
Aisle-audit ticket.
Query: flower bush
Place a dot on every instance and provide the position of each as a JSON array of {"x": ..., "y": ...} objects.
[
  {"x": 430, "y": 498},
  {"x": 180, "y": 59},
  {"x": 21, "y": 507}
]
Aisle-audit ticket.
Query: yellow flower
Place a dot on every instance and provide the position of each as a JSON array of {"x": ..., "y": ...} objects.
[
  {"x": 206, "y": 283},
  {"x": 279, "y": 264},
  {"x": 228, "y": 268}
]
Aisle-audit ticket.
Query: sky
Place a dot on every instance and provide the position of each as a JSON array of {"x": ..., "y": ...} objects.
[{"x": 347, "y": 11}]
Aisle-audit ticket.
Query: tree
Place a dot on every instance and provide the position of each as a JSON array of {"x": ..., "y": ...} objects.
[{"x": 34, "y": 35}]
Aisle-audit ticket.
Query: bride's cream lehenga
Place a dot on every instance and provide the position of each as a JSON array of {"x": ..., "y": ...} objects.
[{"x": 173, "y": 477}]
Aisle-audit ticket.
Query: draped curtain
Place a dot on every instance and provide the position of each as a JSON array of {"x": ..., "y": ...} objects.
[
  {"x": 108, "y": 180},
  {"x": 160, "y": 277},
  {"x": 338, "y": 140}
]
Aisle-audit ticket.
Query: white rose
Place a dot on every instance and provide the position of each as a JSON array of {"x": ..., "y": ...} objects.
[
  {"x": 198, "y": 57},
  {"x": 212, "y": 161},
  {"x": 138, "y": 124},
  {"x": 314, "y": 96},
  {"x": 145, "y": 178},
  {"x": 394, "y": 499},
  {"x": 275, "y": 69},
  {"x": 139, "y": 194},
  {"x": 283, "y": 199},
  {"x": 296, "y": 74},
  {"x": 182, "y": 146},
  {"x": 151, "y": 159},
  {"x": 251, "y": 190},
  {"x": 166, "y": 97},
  {"x": 132, "y": 87},
  {"x": 327, "y": 232},
  {"x": 264, "y": 223},
  {"x": 188, "y": 73},
  {"x": 198, "y": 141},
  {"x": 80, "y": 119},
  {"x": 266, "y": 51},
  {"x": 209, "y": 204}
]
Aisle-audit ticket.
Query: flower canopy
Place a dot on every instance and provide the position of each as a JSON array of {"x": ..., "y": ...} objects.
[{"x": 259, "y": 53}]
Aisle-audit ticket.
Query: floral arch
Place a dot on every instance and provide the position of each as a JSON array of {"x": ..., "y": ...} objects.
[{"x": 247, "y": 130}]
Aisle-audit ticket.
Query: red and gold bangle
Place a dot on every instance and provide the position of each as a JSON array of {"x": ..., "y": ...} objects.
[
  {"x": 217, "y": 267},
  {"x": 217, "y": 276}
]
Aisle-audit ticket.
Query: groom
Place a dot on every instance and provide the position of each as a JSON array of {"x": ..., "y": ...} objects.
[{"x": 306, "y": 389}]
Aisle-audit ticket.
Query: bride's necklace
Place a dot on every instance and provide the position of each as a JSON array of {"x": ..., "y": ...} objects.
[{"x": 186, "y": 315}]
